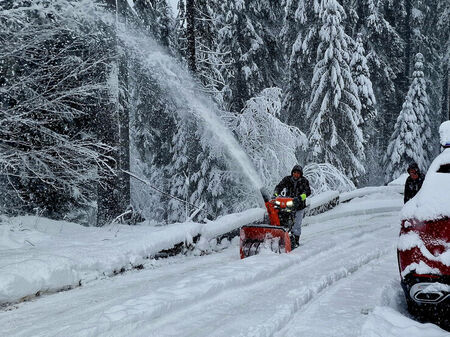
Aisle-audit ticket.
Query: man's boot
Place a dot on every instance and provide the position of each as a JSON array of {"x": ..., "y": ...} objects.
[{"x": 297, "y": 240}]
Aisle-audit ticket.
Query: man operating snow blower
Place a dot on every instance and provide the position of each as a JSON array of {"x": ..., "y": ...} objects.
[
  {"x": 281, "y": 228},
  {"x": 297, "y": 187}
]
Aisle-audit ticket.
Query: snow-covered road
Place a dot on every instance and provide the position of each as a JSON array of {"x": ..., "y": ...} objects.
[{"x": 342, "y": 281}]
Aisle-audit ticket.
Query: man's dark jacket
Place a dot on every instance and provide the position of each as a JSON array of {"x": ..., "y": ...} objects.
[
  {"x": 413, "y": 186},
  {"x": 294, "y": 188}
]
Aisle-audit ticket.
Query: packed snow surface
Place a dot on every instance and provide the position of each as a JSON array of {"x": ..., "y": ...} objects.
[
  {"x": 432, "y": 201},
  {"x": 38, "y": 254},
  {"x": 342, "y": 281}
]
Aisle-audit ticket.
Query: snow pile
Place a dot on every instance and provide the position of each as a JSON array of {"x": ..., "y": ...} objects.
[
  {"x": 401, "y": 180},
  {"x": 42, "y": 255},
  {"x": 230, "y": 222},
  {"x": 321, "y": 199},
  {"x": 385, "y": 321},
  {"x": 368, "y": 200},
  {"x": 432, "y": 201},
  {"x": 386, "y": 190},
  {"x": 444, "y": 133}
]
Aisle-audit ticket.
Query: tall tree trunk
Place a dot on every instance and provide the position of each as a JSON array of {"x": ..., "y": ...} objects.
[
  {"x": 445, "y": 93},
  {"x": 124, "y": 113},
  {"x": 113, "y": 193},
  {"x": 408, "y": 42},
  {"x": 190, "y": 32}
]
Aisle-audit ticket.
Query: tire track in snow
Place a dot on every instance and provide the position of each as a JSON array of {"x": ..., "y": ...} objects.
[
  {"x": 221, "y": 287},
  {"x": 297, "y": 299}
]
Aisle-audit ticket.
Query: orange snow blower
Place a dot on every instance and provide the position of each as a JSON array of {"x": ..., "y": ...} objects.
[{"x": 274, "y": 235}]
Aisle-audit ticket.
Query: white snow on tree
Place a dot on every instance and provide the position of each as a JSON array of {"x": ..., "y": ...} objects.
[
  {"x": 270, "y": 144},
  {"x": 335, "y": 135},
  {"x": 300, "y": 39},
  {"x": 247, "y": 46},
  {"x": 325, "y": 177},
  {"x": 53, "y": 66},
  {"x": 180, "y": 168},
  {"x": 361, "y": 77},
  {"x": 410, "y": 141},
  {"x": 274, "y": 146}
]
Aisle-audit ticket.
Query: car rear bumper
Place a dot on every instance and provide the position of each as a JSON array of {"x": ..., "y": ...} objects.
[{"x": 428, "y": 290}]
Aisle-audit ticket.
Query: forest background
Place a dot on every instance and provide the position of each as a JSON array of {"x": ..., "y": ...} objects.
[{"x": 353, "y": 90}]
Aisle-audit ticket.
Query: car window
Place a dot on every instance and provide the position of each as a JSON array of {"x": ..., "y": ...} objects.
[{"x": 445, "y": 168}]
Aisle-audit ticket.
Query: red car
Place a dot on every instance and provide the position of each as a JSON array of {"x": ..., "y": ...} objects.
[{"x": 424, "y": 244}]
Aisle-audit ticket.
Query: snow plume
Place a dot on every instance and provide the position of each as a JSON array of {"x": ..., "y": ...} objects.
[{"x": 183, "y": 90}]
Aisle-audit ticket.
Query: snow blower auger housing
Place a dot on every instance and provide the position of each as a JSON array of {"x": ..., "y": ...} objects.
[{"x": 274, "y": 235}]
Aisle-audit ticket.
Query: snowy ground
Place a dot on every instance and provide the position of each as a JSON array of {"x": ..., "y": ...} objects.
[{"x": 342, "y": 281}]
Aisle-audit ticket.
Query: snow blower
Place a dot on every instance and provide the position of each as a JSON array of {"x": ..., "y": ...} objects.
[{"x": 275, "y": 233}]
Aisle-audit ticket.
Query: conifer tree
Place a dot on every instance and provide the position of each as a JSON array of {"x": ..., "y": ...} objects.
[
  {"x": 372, "y": 137},
  {"x": 385, "y": 60},
  {"x": 251, "y": 48},
  {"x": 410, "y": 141},
  {"x": 300, "y": 39},
  {"x": 335, "y": 135},
  {"x": 361, "y": 77}
]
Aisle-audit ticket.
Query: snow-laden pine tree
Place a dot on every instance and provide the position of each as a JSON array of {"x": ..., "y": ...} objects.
[
  {"x": 410, "y": 141},
  {"x": 361, "y": 77},
  {"x": 216, "y": 184},
  {"x": 300, "y": 39},
  {"x": 372, "y": 137},
  {"x": 430, "y": 36},
  {"x": 183, "y": 150},
  {"x": 205, "y": 54},
  {"x": 249, "y": 48},
  {"x": 153, "y": 125},
  {"x": 275, "y": 147},
  {"x": 334, "y": 110},
  {"x": 270, "y": 144},
  {"x": 200, "y": 173},
  {"x": 385, "y": 61}
]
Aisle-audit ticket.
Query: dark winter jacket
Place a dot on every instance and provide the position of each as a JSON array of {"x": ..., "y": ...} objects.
[
  {"x": 294, "y": 188},
  {"x": 413, "y": 186}
]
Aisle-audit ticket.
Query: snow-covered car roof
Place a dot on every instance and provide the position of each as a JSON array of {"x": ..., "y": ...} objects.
[{"x": 433, "y": 200}]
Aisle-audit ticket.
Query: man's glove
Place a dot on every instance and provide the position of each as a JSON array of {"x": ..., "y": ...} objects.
[{"x": 303, "y": 196}]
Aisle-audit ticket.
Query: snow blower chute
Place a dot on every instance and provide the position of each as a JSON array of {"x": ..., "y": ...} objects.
[{"x": 275, "y": 233}]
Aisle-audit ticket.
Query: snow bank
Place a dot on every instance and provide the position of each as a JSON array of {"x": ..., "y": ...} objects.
[
  {"x": 321, "y": 199},
  {"x": 385, "y": 321},
  {"x": 369, "y": 200},
  {"x": 400, "y": 181},
  {"x": 230, "y": 222},
  {"x": 343, "y": 197},
  {"x": 432, "y": 201},
  {"x": 41, "y": 255}
]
